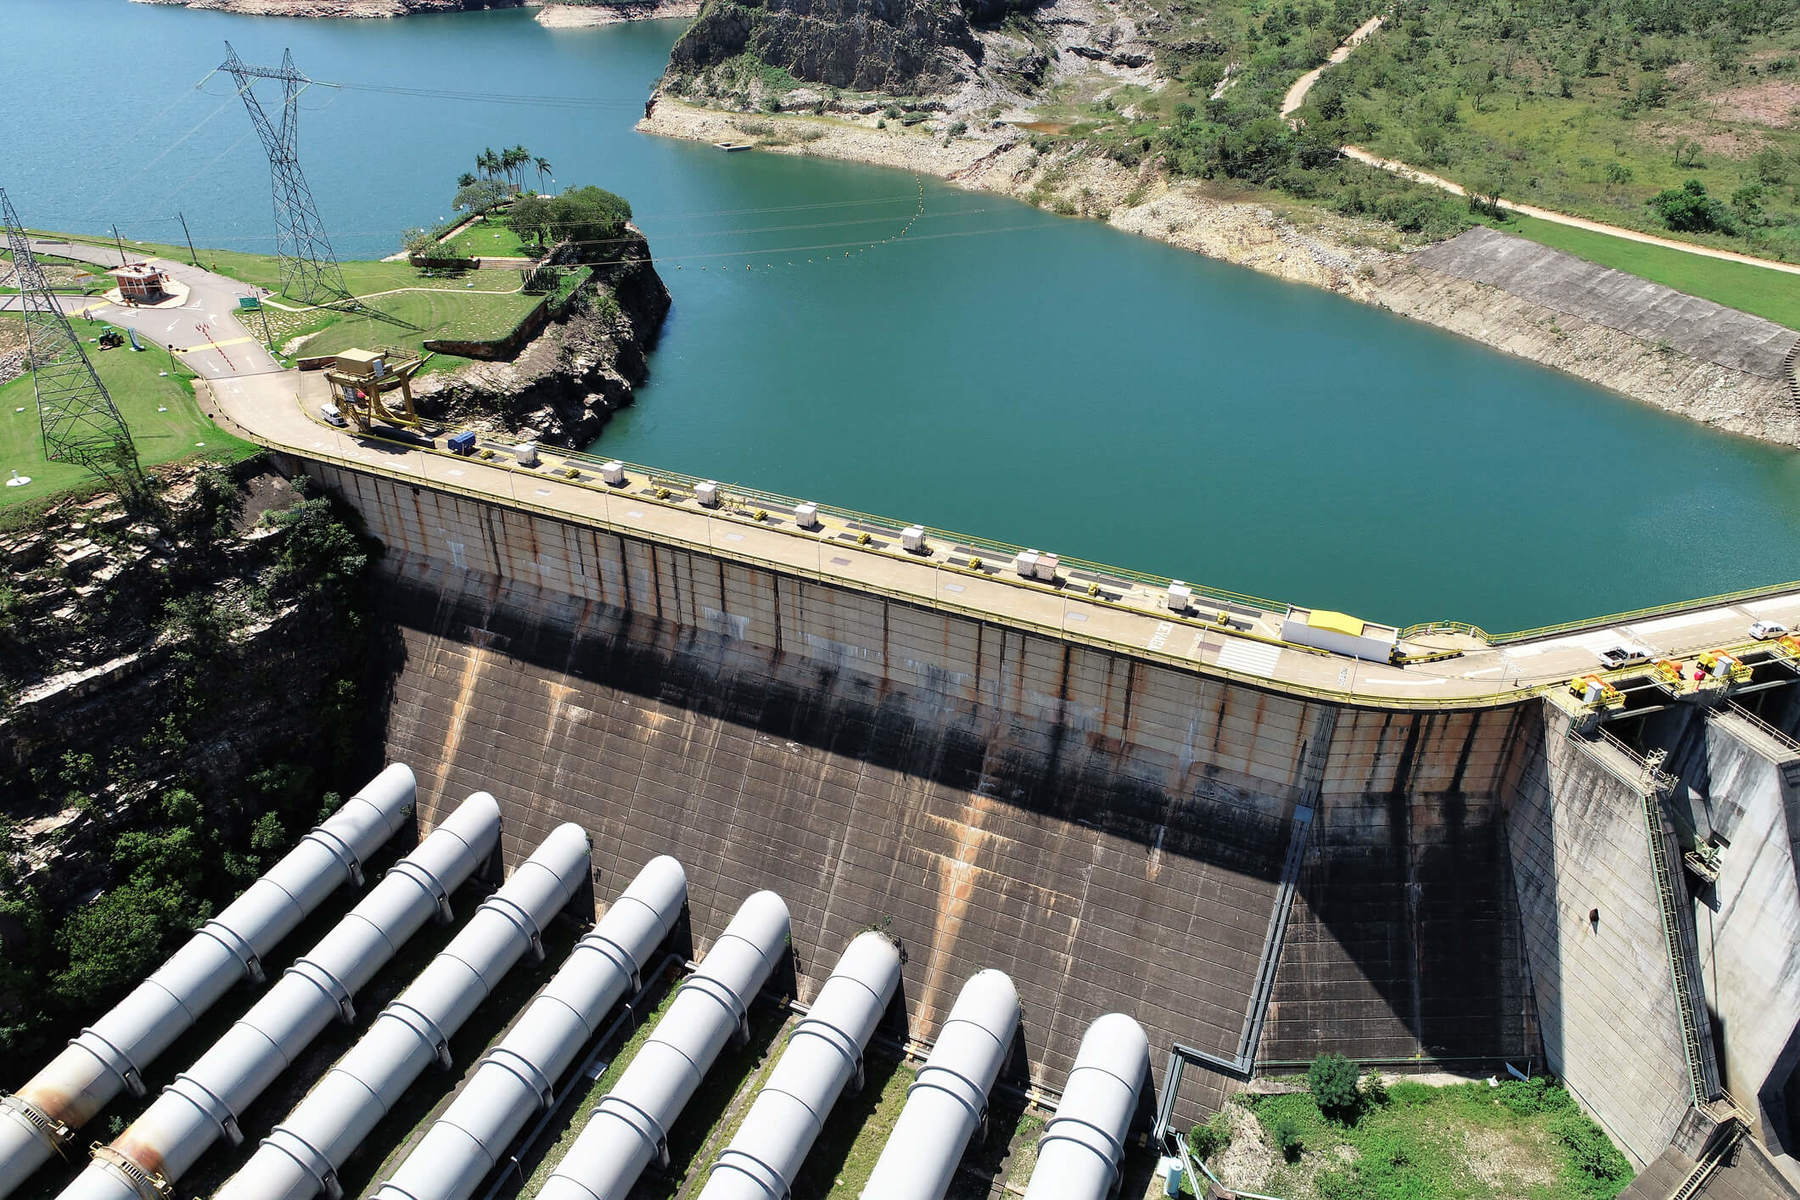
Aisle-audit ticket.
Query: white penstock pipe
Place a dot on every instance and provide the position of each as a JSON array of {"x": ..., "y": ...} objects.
[
  {"x": 630, "y": 1127},
  {"x": 42, "y": 1116},
  {"x": 1084, "y": 1143},
  {"x": 946, "y": 1103},
  {"x": 824, "y": 1054},
  {"x": 206, "y": 1101},
  {"x": 518, "y": 1077},
  {"x": 300, "y": 1158}
]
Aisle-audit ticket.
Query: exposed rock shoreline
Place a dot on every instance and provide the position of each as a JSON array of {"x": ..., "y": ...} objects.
[
  {"x": 569, "y": 380},
  {"x": 1362, "y": 260}
]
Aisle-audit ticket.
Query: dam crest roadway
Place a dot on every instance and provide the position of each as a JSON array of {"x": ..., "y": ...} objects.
[{"x": 1221, "y": 634}]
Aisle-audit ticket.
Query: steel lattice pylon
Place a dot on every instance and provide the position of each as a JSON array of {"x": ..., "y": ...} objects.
[
  {"x": 309, "y": 266},
  {"x": 79, "y": 420}
]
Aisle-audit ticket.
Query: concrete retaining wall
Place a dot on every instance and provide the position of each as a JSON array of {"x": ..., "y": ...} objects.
[
  {"x": 1606, "y": 1005},
  {"x": 1745, "y": 787}
]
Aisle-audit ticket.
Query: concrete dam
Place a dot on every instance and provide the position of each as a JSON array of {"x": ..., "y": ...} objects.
[
  {"x": 1256, "y": 875},
  {"x": 1118, "y": 794}
]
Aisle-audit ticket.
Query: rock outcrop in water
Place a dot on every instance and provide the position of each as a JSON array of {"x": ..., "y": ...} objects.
[{"x": 571, "y": 378}]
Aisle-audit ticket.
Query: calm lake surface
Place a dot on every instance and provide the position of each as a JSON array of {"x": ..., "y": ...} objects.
[{"x": 997, "y": 370}]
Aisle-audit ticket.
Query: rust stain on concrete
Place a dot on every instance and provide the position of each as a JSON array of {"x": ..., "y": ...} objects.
[
  {"x": 957, "y": 876},
  {"x": 474, "y": 661}
]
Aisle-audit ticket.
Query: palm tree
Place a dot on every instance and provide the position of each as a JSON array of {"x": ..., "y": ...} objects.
[
  {"x": 517, "y": 159},
  {"x": 488, "y": 163},
  {"x": 464, "y": 180},
  {"x": 543, "y": 168}
]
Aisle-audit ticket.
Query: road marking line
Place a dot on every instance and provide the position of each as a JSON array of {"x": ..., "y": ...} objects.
[{"x": 1252, "y": 658}]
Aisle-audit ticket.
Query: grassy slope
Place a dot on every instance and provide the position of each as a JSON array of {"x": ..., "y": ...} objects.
[
  {"x": 138, "y": 388},
  {"x": 1771, "y": 294},
  {"x": 487, "y": 236},
  {"x": 1606, "y": 146},
  {"x": 1465, "y": 1142}
]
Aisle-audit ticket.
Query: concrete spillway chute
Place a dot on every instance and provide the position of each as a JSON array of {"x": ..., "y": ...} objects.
[
  {"x": 946, "y": 1103},
  {"x": 518, "y": 1077},
  {"x": 824, "y": 1054},
  {"x": 629, "y": 1128},
  {"x": 301, "y": 1156},
  {"x": 109, "y": 1057},
  {"x": 206, "y": 1101}
]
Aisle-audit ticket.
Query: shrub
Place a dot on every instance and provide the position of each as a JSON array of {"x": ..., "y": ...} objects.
[
  {"x": 1374, "y": 1087},
  {"x": 1594, "y": 1165},
  {"x": 1688, "y": 209},
  {"x": 1332, "y": 1081},
  {"x": 1211, "y": 1138},
  {"x": 1284, "y": 1127}
]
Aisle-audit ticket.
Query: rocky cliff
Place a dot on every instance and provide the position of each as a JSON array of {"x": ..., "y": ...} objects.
[
  {"x": 571, "y": 378},
  {"x": 890, "y": 46},
  {"x": 180, "y": 689}
]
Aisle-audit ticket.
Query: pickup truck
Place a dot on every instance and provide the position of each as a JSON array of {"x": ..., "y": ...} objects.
[{"x": 1614, "y": 657}]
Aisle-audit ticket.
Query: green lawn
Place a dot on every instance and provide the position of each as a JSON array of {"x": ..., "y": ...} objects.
[
  {"x": 412, "y": 318},
  {"x": 1767, "y": 293},
  {"x": 472, "y": 305},
  {"x": 1517, "y": 1141},
  {"x": 489, "y": 236},
  {"x": 139, "y": 387}
]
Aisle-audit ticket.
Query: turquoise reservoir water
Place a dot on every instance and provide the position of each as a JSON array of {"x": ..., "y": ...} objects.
[{"x": 997, "y": 369}]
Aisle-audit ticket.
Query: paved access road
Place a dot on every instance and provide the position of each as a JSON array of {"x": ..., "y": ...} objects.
[
  {"x": 249, "y": 393},
  {"x": 205, "y": 331}
]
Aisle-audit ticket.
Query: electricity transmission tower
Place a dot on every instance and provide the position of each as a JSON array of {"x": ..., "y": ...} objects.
[
  {"x": 79, "y": 420},
  {"x": 309, "y": 267}
]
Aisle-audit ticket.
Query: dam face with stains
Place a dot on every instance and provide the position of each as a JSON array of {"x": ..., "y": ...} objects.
[{"x": 1256, "y": 876}]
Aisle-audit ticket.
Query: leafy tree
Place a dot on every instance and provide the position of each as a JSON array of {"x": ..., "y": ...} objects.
[
  {"x": 530, "y": 217},
  {"x": 478, "y": 196},
  {"x": 591, "y": 217},
  {"x": 320, "y": 553},
  {"x": 119, "y": 937},
  {"x": 1688, "y": 209},
  {"x": 267, "y": 834},
  {"x": 1747, "y": 204},
  {"x": 419, "y": 241},
  {"x": 1332, "y": 1080},
  {"x": 1485, "y": 192}
]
